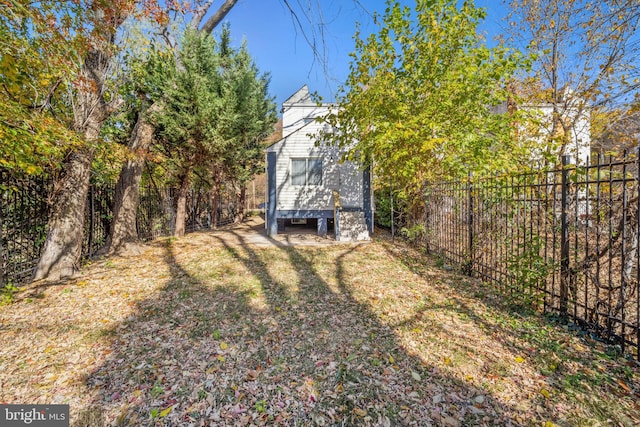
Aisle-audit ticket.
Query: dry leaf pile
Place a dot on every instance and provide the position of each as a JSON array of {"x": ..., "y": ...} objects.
[{"x": 211, "y": 330}]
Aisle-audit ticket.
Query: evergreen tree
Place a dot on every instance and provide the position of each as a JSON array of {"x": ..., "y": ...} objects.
[
  {"x": 216, "y": 113},
  {"x": 252, "y": 117}
]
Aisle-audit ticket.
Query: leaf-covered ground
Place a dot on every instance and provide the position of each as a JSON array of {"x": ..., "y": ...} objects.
[{"x": 213, "y": 330}]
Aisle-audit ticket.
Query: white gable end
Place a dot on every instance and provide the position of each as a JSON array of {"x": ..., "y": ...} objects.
[{"x": 299, "y": 110}]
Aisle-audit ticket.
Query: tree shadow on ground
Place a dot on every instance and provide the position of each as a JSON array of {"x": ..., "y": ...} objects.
[
  {"x": 276, "y": 336},
  {"x": 165, "y": 352},
  {"x": 360, "y": 370},
  {"x": 575, "y": 374}
]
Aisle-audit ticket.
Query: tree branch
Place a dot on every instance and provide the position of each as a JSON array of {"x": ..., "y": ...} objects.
[
  {"x": 47, "y": 101},
  {"x": 114, "y": 105},
  {"x": 218, "y": 16},
  {"x": 199, "y": 13}
]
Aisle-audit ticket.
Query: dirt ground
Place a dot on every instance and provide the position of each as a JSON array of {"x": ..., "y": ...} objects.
[{"x": 253, "y": 232}]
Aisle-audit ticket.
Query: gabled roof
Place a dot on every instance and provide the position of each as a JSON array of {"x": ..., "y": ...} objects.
[{"x": 301, "y": 96}]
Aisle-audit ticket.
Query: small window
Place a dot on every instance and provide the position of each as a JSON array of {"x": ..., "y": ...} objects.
[
  {"x": 314, "y": 167},
  {"x": 306, "y": 171},
  {"x": 298, "y": 171}
]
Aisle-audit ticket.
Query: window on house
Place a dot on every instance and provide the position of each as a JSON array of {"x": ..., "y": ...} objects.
[{"x": 306, "y": 171}]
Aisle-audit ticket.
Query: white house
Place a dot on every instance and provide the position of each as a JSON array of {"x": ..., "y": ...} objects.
[
  {"x": 575, "y": 118},
  {"x": 307, "y": 181}
]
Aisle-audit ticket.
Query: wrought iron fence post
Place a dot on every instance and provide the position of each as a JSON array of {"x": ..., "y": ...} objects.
[
  {"x": 468, "y": 267},
  {"x": 393, "y": 228},
  {"x": 426, "y": 216},
  {"x": 564, "y": 237},
  {"x": 92, "y": 213}
]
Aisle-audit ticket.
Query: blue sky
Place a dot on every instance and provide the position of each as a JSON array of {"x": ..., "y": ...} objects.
[{"x": 280, "y": 48}]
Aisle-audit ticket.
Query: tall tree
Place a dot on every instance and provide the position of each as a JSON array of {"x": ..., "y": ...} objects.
[
  {"x": 421, "y": 95},
  {"x": 252, "y": 114},
  {"x": 587, "y": 55},
  {"x": 190, "y": 122},
  {"x": 123, "y": 234},
  {"x": 216, "y": 111},
  {"x": 91, "y": 106}
]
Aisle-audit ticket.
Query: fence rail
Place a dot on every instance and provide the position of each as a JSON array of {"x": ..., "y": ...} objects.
[
  {"x": 564, "y": 240},
  {"x": 25, "y": 207}
]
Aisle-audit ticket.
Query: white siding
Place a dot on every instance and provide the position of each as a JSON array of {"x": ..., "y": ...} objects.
[
  {"x": 541, "y": 126},
  {"x": 345, "y": 178},
  {"x": 350, "y": 186},
  {"x": 299, "y": 110},
  {"x": 295, "y": 118}
]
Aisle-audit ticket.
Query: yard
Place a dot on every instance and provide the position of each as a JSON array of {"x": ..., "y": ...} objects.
[{"x": 223, "y": 328}]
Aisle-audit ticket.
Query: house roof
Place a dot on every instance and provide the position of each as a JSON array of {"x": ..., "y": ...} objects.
[{"x": 301, "y": 96}]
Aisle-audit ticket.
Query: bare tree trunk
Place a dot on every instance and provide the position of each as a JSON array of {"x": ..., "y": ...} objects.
[
  {"x": 123, "y": 233},
  {"x": 215, "y": 197},
  {"x": 181, "y": 205},
  {"x": 241, "y": 201},
  {"x": 215, "y": 206},
  {"x": 63, "y": 247}
]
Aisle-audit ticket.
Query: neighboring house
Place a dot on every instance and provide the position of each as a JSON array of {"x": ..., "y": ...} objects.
[
  {"x": 573, "y": 126},
  {"x": 574, "y": 119},
  {"x": 306, "y": 180},
  {"x": 577, "y": 123}
]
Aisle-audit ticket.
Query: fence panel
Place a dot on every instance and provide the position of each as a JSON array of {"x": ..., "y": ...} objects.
[
  {"x": 563, "y": 240},
  {"x": 25, "y": 207},
  {"x": 156, "y": 213},
  {"x": 24, "y": 210},
  {"x": 602, "y": 274},
  {"x": 200, "y": 208},
  {"x": 98, "y": 216}
]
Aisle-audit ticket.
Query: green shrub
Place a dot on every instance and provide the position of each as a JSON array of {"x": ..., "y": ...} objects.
[{"x": 7, "y": 293}]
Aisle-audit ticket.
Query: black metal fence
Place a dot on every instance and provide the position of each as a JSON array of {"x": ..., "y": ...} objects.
[
  {"x": 24, "y": 210},
  {"x": 98, "y": 214},
  {"x": 563, "y": 240},
  {"x": 25, "y": 207}
]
